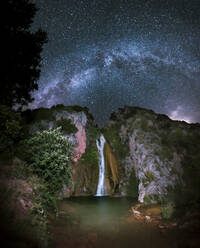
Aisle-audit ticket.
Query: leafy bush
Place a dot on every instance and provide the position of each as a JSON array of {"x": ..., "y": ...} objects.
[
  {"x": 112, "y": 134},
  {"x": 10, "y": 127},
  {"x": 175, "y": 139},
  {"x": 144, "y": 124},
  {"x": 132, "y": 187},
  {"x": 147, "y": 199},
  {"x": 167, "y": 210},
  {"x": 164, "y": 153},
  {"x": 48, "y": 154},
  {"x": 91, "y": 156},
  {"x": 94, "y": 133},
  {"x": 149, "y": 176},
  {"x": 67, "y": 126}
]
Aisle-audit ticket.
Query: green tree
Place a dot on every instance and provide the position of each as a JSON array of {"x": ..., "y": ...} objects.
[
  {"x": 10, "y": 128},
  {"x": 48, "y": 155},
  {"x": 21, "y": 52}
]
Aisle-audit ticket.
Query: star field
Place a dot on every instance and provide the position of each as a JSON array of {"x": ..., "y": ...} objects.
[{"x": 107, "y": 54}]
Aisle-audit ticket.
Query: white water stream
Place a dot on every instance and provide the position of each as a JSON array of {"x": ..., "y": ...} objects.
[{"x": 101, "y": 189}]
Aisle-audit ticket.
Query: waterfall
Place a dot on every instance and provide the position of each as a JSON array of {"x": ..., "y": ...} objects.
[{"x": 101, "y": 189}]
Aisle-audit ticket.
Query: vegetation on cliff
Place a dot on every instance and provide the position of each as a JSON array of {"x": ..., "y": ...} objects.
[
  {"x": 48, "y": 154},
  {"x": 144, "y": 152},
  {"x": 10, "y": 128},
  {"x": 34, "y": 184},
  {"x": 163, "y": 153}
]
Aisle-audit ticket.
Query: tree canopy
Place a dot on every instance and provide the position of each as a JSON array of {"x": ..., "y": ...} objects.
[{"x": 21, "y": 51}]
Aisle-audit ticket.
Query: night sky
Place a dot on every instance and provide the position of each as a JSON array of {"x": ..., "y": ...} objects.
[{"x": 105, "y": 54}]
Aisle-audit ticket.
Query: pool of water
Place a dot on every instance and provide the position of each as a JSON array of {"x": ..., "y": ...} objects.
[{"x": 94, "y": 222}]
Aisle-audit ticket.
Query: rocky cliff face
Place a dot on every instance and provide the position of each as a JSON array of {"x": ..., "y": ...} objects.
[
  {"x": 157, "y": 157},
  {"x": 77, "y": 125},
  {"x": 147, "y": 155}
]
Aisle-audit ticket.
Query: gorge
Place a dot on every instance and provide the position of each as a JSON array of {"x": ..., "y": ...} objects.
[
  {"x": 146, "y": 155},
  {"x": 138, "y": 154}
]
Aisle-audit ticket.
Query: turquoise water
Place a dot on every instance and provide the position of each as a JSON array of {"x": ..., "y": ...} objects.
[{"x": 94, "y": 222}]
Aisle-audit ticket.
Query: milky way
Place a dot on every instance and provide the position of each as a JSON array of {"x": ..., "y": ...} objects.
[{"x": 107, "y": 54}]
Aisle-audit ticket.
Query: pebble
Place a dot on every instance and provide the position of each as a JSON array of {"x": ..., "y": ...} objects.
[{"x": 136, "y": 212}]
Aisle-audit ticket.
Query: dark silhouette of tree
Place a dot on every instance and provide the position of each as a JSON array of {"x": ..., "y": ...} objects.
[{"x": 21, "y": 51}]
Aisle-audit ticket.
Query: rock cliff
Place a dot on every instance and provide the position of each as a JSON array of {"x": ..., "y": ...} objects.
[
  {"x": 157, "y": 158},
  {"x": 77, "y": 125},
  {"x": 147, "y": 155}
]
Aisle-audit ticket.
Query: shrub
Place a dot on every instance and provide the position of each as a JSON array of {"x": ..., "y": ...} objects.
[
  {"x": 10, "y": 127},
  {"x": 94, "y": 133},
  {"x": 144, "y": 124},
  {"x": 48, "y": 154},
  {"x": 67, "y": 126},
  {"x": 164, "y": 153},
  {"x": 149, "y": 176},
  {"x": 91, "y": 156},
  {"x": 132, "y": 187},
  {"x": 147, "y": 199},
  {"x": 112, "y": 135},
  {"x": 175, "y": 139},
  {"x": 167, "y": 210}
]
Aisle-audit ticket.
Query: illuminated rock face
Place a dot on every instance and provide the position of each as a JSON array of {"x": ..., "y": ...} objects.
[
  {"x": 80, "y": 121},
  {"x": 77, "y": 125},
  {"x": 145, "y": 154},
  {"x": 73, "y": 125},
  {"x": 146, "y": 164},
  {"x": 112, "y": 177},
  {"x": 81, "y": 139},
  {"x": 155, "y": 174}
]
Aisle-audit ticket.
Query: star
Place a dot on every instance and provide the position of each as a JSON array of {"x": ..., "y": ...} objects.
[{"x": 105, "y": 54}]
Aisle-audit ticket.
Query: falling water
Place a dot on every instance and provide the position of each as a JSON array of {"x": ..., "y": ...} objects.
[{"x": 101, "y": 189}]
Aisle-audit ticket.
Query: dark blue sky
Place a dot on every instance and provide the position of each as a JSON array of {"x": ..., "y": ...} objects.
[{"x": 110, "y": 53}]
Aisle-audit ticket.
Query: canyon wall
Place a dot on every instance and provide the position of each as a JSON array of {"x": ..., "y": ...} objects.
[
  {"x": 157, "y": 157},
  {"x": 147, "y": 155},
  {"x": 76, "y": 125}
]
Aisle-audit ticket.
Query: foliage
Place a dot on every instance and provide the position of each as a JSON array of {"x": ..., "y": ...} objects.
[
  {"x": 167, "y": 210},
  {"x": 48, "y": 154},
  {"x": 191, "y": 176},
  {"x": 149, "y": 177},
  {"x": 176, "y": 139},
  {"x": 22, "y": 60},
  {"x": 20, "y": 229},
  {"x": 39, "y": 114},
  {"x": 147, "y": 199},
  {"x": 112, "y": 134},
  {"x": 140, "y": 138},
  {"x": 10, "y": 127},
  {"x": 144, "y": 125},
  {"x": 91, "y": 156},
  {"x": 132, "y": 187},
  {"x": 67, "y": 126},
  {"x": 164, "y": 153},
  {"x": 94, "y": 133},
  {"x": 188, "y": 145}
]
